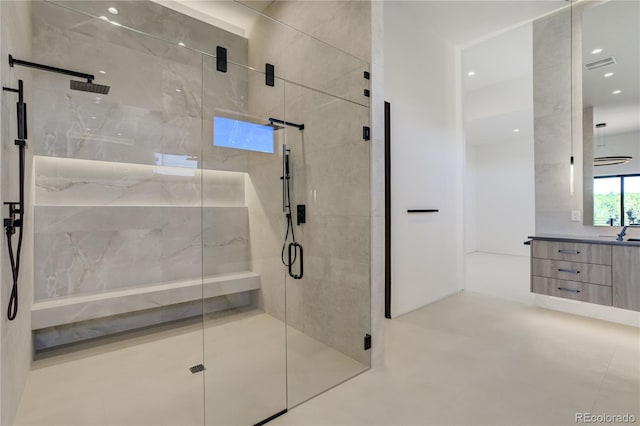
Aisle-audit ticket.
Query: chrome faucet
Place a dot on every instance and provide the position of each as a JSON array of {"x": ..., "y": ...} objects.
[{"x": 623, "y": 232}]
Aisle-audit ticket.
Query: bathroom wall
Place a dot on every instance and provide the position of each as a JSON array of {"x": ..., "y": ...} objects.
[
  {"x": 426, "y": 160},
  {"x": 15, "y": 336},
  {"x": 330, "y": 169},
  {"x": 121, "y": 178}
]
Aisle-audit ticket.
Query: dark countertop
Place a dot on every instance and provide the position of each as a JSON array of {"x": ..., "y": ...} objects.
[{"x": 586, "y": 239}]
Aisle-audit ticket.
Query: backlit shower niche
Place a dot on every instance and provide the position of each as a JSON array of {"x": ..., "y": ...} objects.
[{"x": 168, "y": 240}]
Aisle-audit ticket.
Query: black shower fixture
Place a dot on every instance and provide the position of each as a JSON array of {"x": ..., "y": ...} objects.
[
  {"x": 88, "y": 86},
  {"x": 277, "y": 124},
  {"x": 15, "y": 220}
]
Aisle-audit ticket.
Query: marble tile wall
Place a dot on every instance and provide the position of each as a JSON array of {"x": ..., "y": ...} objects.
[
  {"x": 15, "y": 336},
  {"x": 65, "y": 181},
  {"x": 326, "y": 47},
  {"x": 331, "y": 175},
  {"x": 91, "y": 249},
  {"x": 121, "y": 178}
]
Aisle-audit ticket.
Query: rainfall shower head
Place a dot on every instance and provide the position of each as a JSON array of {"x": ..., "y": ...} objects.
[
  {"x": 89, "y": 87},
  {"x": 274, "y": 126},
  {"x": 278, "y": 124}
]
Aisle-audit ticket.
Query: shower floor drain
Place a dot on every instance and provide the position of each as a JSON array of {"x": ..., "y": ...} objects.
[{"x": 196, "y": 368}]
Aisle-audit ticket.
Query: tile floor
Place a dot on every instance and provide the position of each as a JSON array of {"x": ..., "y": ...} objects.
[
  {"x": 472, "y": 359},
  {"x": 143, "y": 378}
]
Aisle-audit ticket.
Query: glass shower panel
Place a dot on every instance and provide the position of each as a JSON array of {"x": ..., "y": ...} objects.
[
  {"x": 242, "y": 216},
  {"x": 234, "y": 25},
  {"x": 117, "y": 312},
  {"x": 328, "y": 292}
]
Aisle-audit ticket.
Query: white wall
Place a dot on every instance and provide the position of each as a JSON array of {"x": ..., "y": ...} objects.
[
  {"x": 420, "y": 83},
  {"x": 504, "y": 193}
]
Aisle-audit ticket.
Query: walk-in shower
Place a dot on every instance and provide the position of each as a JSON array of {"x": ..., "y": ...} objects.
[{"x": 166, "y": 282}]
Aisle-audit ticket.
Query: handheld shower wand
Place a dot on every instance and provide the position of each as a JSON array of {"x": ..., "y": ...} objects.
[
  {"x": 295, "y": 249},
  {"x": 16, "y": 209}
]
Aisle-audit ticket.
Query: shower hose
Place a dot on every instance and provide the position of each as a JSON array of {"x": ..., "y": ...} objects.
[
  {"x": 289, "y": 216},
  {"x": 14, "y": 259}
]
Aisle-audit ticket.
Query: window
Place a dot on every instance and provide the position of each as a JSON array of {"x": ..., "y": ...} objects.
[
  {"x": 238, "y": 134},
  {"x": 616, "y": 200}
]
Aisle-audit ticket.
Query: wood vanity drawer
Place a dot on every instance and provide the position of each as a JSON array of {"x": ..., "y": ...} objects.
[
  {"x": 573, "y": 271},
  {"x": 584, "y": 292},
  {"x": 572, "y": 252}
]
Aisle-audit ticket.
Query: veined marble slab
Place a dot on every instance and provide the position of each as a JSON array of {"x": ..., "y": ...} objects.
[
  {"x": 93, "y": 249},
  {"x": 72, "y": 309},
  {"x": 77, "y": 182}
]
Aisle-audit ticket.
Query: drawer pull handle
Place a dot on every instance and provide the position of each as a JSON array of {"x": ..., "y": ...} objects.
[
  {"x": 569, "y": 271},
  {"x": 570, "y": 290},
  {"x": 569, "y": 251}
]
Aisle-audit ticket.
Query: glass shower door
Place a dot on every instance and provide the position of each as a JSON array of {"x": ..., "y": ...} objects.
[
  {"x": 328, "y": 292},
  {"x": 242, "y": 216},
  {"x": 117, "y": 312}
]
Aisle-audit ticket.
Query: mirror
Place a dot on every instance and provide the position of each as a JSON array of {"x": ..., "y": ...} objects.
[{"x": 611, "y": 112}]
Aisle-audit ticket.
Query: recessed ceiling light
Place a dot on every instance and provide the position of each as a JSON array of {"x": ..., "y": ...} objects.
[
  {"x": 616, "y": 92},
  {"x": 471, "y": 73},
  {"x": 102, "y": 72},
  {"x": 104, "y": 18},
  {"x": 596, "y": 51},
  {"x": 94, "y": 117},
  {"x": 181, "y": 44},
  {"x": 609, "y": 74},
  {"x": 112, "y": 10},
  {"x": 119, "y": 134},
  {"x": 516, "y": 130},
  {"x": 178, "y": 90}
]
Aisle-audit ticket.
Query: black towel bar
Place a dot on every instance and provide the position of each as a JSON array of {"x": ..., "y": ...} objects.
[{"x": 423, "y": 211}]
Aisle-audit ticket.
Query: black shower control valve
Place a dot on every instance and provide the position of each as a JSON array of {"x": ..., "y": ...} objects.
[
  {"x": 9, "y": 227},
  {"x": 366, "y": 133},
  {"x": 301, "y": 214}
]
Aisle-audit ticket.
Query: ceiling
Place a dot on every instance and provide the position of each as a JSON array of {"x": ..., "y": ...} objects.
[
  {"x": 499, "y": 98},
  {"x": 464, "y": 22}
]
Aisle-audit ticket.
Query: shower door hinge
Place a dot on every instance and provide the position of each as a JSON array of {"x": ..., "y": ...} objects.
[
  {"x": 269, "y": 75},
  {"x": 367, "y": 342},
  {"x": 366, "y": 92},
  {"x": 221, "y": 59},
  {"x": 366, "y": 133},
  {"x": 197, "y": 368},
  {"x": 366, "y": 75}
]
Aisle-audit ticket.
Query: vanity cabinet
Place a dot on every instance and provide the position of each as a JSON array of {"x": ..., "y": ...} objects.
[
  {"x": 572, "y": 270},
  {"x": 606, "y": 273},
  {"x": 626, "y": 277}
]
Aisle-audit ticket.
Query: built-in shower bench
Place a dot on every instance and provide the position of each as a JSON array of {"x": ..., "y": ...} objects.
[{"x": 72, "y": 309}]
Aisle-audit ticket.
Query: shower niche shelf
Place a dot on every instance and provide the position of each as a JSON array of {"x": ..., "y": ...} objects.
[{"x": 71, "y": 309}]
